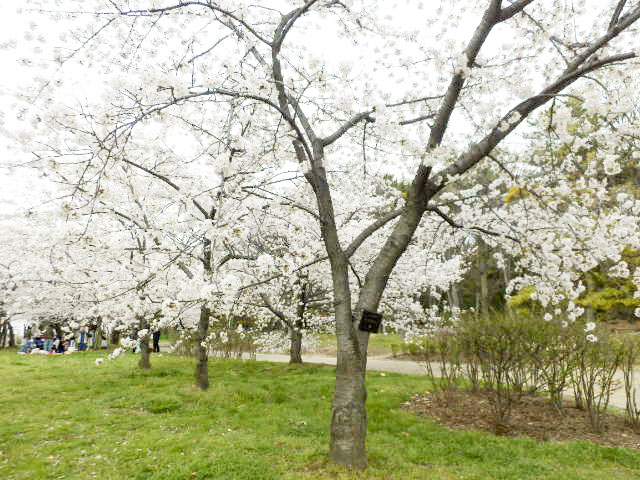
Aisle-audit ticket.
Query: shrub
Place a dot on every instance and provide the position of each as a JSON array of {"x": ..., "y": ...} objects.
[
  {"x": 502, "y": 346},
  {"x": 555, "y": 359},
  {"x": 509, "y": 355},
  {"x": 443, "y": 351},
  {"x": 630, "y": 347},
  {"x": 596, "y": 365}
]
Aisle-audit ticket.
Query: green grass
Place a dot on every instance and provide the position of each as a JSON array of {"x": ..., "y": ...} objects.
[{"x": 62, "y": 417}]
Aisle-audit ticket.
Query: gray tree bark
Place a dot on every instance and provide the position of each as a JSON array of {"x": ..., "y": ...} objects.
[
  {"x": 145, "y": 358},
  {"x": 3, "y": 334},
  {"x": 295, "y": 349},
  {"x": 98, "y": 338},
  {"x": 454, "y": 298},
  {"x": 484, "y": 283},
  {"x": 202, "y": 351},
  {"x": 115, "y": 337},
  {"x": 12, "y": 336},
  {"x": 295, "y": 328},
  {"x": 349, "y": 416}
]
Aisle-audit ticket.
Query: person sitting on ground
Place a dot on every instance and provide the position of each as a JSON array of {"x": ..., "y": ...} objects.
[
  {"x": 54, "y": 345},
  {"x": 26, "y": 347}
]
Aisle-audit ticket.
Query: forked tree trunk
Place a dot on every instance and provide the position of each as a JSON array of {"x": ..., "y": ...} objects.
[
  {"x": 202, "y": 351},
  {"x": 349, "y": 418},
  {"x": 295, "y": 351},
  {"x": 349, "y": 415}
]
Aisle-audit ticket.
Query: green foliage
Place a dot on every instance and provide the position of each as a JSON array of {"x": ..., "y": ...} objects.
[
  {"x": 522, "y": 298},
  {"x": 610, "y": 298},
  {"x": 514, "y": 194}
]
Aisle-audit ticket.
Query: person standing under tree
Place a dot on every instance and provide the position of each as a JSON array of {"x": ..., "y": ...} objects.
[{"x": 156, "y": 341}]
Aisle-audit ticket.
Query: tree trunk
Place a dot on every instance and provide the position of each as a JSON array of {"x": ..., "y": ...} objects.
[
  {"x": 3, "y": 334},
  {"x": 590, "y": 314},
  {"x": 12, "y": 335},
  {"x": 98, "y": 338},
  {"x": 145, "y": 358},
  {"x": 507, "y": 278},
  {"x": 295, "y": 351},
  {"x": 115, "y": 337},
  {"x": 58, "y": 331},
  {"x": 454, "y": 299},
  {"x": 202, "y": 350},
  {"x": 484, "y": 283},
  {"x": 295, "y": 330},
  {"x": 349, "y": 416}
]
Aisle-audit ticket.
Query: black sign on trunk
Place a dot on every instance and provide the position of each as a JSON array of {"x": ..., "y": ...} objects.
[{"x": 370, "y": 322}]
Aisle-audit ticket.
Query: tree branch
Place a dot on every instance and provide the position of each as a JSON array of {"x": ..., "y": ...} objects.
[
  {"x": 209, "y": 5},
  {"x": 507, "y": 12},
  {"x": 273, "y": 310},
  {"x": 613, "y": 32},
  {"x": 489, "y": 20},
  {"x": 517, "y": 114},
  {"x": 616, "y": 14},
  {"x": 167, "y": 181},
  {"x": 450, "y": 221},
  {"x": 344, "y": 128},
  {"x": 417, "y": 119},
  {"x": 233, "y": 256},
  {"x": 370, "y": 230}
]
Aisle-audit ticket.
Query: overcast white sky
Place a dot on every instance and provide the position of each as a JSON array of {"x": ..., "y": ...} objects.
[
  {"x": 16, "y": 187},
  {"x": 21, "y": 187}
]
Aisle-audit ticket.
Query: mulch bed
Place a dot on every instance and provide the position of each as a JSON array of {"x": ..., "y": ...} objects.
[{"x": 532, "y": 416}]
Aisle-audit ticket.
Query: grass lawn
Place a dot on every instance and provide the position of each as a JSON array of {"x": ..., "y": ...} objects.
[{"x": 63, "y": 417}]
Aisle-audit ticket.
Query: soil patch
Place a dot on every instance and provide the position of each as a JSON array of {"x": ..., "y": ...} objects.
[{"x": 532, "y": 416}]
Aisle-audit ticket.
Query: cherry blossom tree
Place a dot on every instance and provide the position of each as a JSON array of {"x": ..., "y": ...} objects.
[
  {"x": 286, "y": 279},
  {"x": 257, "y": 93}
]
